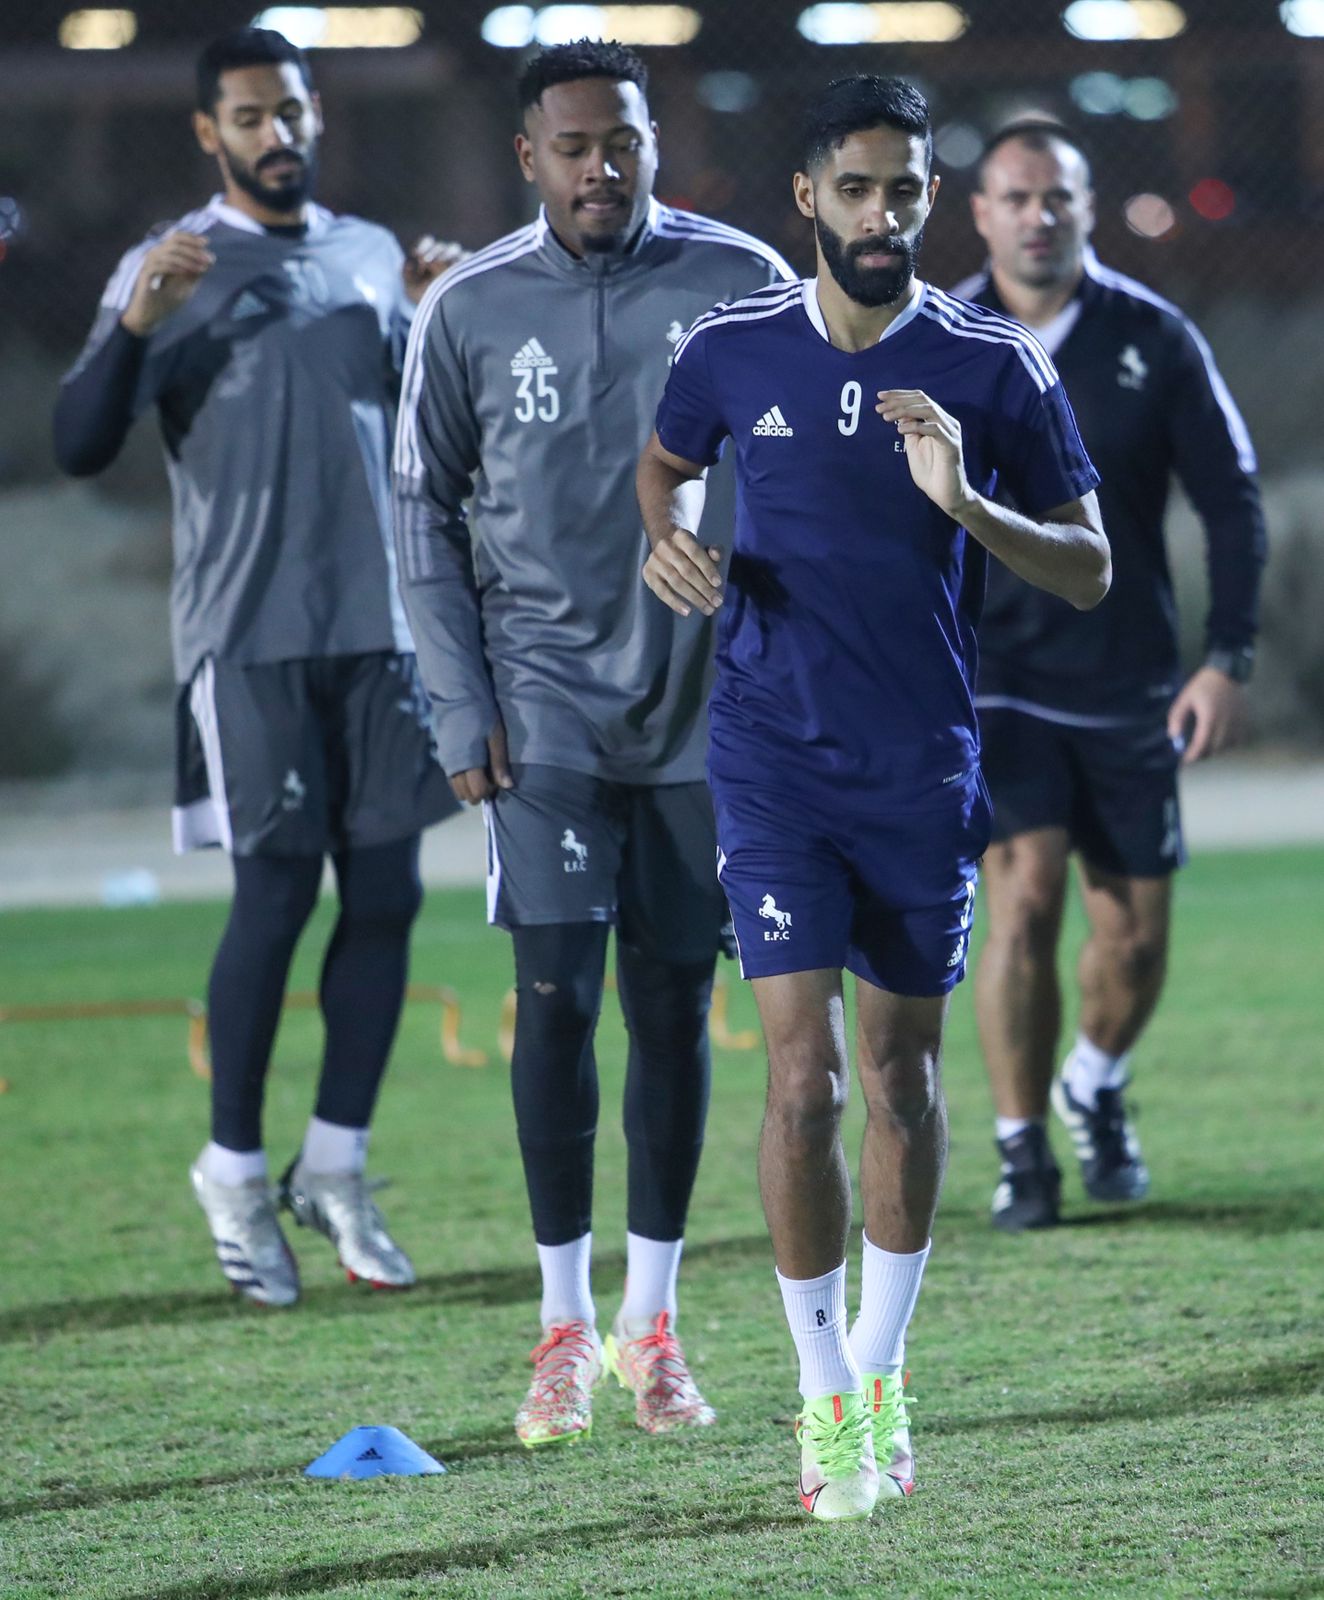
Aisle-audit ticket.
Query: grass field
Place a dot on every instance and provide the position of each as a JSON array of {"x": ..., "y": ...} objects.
[{"x": 1130, "y": 1405}]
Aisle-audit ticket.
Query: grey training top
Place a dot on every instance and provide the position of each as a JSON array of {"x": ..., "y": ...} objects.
[
  {"x": 275, "y": 385},
  {"x": 530, "y": 384}
]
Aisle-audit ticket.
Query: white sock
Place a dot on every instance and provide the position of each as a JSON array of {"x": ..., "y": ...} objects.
[
  {"x": 1088, "y": 1069},
  {"x": 651, "y": 1266},
  {"x": 816, "y": 1311},
  {"x": 888, "y": 1293},
  {"x": 566, "y": 1296},
  {"x": 330, "y": 1148},
  {"x": 1009, "y": 1127},
  {"x": 232, "y": 1166}
]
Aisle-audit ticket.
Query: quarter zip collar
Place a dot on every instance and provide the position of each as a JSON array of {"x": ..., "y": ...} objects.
[{"x": 598, "y": 266}]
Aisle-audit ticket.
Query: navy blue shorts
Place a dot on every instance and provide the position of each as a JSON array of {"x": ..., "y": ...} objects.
[
  {"x": 888, "y": 896},
  {"x": 1114, "y": 790}
]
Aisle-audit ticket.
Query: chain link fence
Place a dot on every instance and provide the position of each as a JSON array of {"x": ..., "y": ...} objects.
[{"x": 1208, "y": 150}]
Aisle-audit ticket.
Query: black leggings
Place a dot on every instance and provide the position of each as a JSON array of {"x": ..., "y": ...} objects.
[
  {"x": 559, "y": 980},
  {"x": 362, "y": 986}
]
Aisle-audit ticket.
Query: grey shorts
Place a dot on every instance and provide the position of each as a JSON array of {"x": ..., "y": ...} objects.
[
  {"x": 563, "y": 846},
  {"x": 305, "y": 757}
]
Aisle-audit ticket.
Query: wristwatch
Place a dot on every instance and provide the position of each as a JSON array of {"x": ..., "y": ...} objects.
[{"x": 1237, "y": 664}]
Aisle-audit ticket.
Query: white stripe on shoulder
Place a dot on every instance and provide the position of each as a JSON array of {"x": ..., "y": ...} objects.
[
  {"x": 119, "y": 290},
  {"x": 505, "y": 250},
  {"x": 769, "y": 302},
  {"x": 977, "y": 315},
  {"x": 690, "y": 225},
  {"x": 957, "y": 318},
  {"x": 1236, "y": 423},
  {"x": 407, "y": 459}
]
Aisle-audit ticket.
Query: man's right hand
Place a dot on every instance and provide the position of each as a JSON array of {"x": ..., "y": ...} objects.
[
  {"x": 681, "y": 573},
  {"x": 476, "y": 784},
  {"x": 170, "y": 273}
]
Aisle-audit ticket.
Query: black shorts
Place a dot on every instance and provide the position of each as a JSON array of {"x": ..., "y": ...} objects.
[
  {"x": 1113, "y": 789},
  {"x": 305, "y": 757},
  {"x": 564, "y": 846}
]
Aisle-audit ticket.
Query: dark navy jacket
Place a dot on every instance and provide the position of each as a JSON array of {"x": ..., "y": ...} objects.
[{"x": 1149, "y": 402}]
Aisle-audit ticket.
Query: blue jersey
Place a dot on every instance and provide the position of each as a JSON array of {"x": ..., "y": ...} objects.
[{"x": 846, "y": 646}]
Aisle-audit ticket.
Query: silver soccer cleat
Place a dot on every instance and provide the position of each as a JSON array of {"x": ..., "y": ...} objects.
[
  {"x": 249, "y": 1244},
  {"x": 339, "y": 1205}
]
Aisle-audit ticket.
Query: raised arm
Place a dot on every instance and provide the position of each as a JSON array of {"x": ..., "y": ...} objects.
[
  {"x": 1064, "y": 551},
  {"x": 100, "y": 398}
]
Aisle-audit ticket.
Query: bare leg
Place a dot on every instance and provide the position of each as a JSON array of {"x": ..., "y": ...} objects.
[
  {"x": 1018, "y": 1001},
  {"x": 803, "y": 1176},
  {"x": 905, "y": 1137},
  {"x": 1124, "y": 961}
]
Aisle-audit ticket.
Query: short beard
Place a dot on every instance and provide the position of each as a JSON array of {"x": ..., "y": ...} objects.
[
  {"x": 289, "y": 197},
  {"x": 876, "y": 286}
]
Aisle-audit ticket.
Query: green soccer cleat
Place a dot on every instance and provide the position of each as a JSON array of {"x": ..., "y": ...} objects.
[
  {"x": 558, "y": 1409},
  {"x": 838, "y": 1473},
  {"x": 885, "y": 1404}
]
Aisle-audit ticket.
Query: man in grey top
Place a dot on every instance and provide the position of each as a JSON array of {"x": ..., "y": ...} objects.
[
  {"x": 562, "y": 699},
  {"x": 269, "y": 335}
]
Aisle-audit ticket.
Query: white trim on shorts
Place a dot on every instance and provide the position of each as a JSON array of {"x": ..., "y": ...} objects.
[
  {"x": 205, "y": 822},
  {"x": 493, "y": 863},
  {"x": 735, "y": 931}
]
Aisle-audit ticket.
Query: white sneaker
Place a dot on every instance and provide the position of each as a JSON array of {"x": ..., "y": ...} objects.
[
  {"x": 249, "y": 1244},
  {"x": 885, "y": 1404},
  {"x": 838, "y": 1472},
  {"x": 339, "y": 1205}
]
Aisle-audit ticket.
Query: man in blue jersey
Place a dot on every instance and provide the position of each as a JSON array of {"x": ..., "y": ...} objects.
[
  {"x": 1085, "y": 721},
  {"x": 843, "y": 754}
]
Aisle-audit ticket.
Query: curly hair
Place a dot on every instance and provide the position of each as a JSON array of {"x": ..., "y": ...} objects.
[{"x": 583, "y": 58}]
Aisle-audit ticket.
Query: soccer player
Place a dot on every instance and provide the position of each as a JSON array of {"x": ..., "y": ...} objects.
[
  {"x": 265, "y": 331},
  {"x": 1085, "y": 720},
  {"x": 566, "y": 701},
  {"x": 872, "y": 417}
]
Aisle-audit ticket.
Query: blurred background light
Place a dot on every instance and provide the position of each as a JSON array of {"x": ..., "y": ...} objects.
[
  {"x": 1099, "y": 94},
  {"x": 887, "y": 22},
  {"x": 516, "y": 27},
  {"x": 958, "y": 145},
  {"x": 1212, "y": 199},
  {"x": 1305, "y": 18},
  {"x": 728, "y": 91},
  {"x": 509, "y": 27},
  {"x": 98, "y": 30},
  {"x": 344, "y": 27},
  {"x": 1124, "y": 19},
  {"x": 1149, "y": 99},
  {"x": 1149, "y": 215}
]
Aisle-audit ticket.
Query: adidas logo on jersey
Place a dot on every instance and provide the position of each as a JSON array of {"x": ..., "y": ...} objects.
[
  {"x": 772, "y": 425},
  {"x": 529, "y": 356}
]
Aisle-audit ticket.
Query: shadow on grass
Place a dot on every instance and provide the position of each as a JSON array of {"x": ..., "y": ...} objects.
[
  {"x": 500, "y": 1286},
  {"x": 607, "y": 1536},
  {"x": 1256, "y": 1216},
  {"x": 495, "y": 1442},
  {"x": 1281, "y": 1379}
]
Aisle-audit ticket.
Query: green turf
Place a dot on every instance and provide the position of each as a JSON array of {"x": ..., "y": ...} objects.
[{"x": 1128, "y": 1406}]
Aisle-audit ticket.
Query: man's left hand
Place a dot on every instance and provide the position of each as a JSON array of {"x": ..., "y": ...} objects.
[
  {"x": 933, "y": 447},
  {"x": 428, "y": 260},
  {"x": 1208, "y": 715}
]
